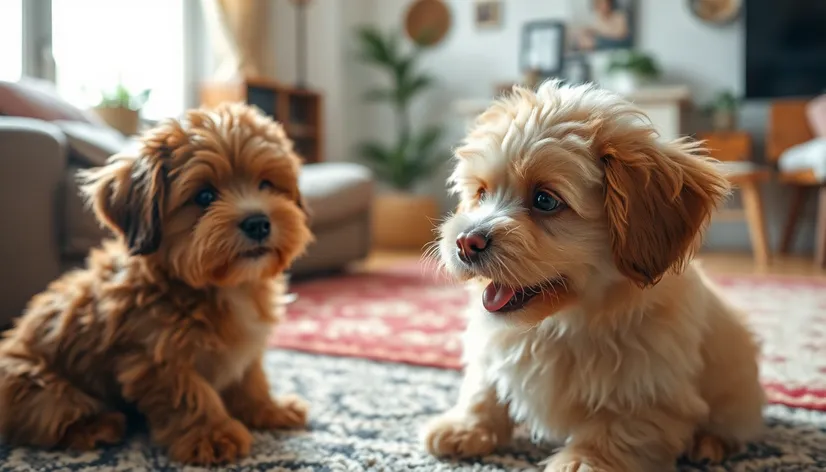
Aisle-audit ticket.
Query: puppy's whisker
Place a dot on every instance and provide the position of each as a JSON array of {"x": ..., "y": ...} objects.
[{"x": 430, "y": 260}]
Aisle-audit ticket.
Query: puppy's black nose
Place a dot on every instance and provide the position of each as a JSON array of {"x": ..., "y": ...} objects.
[
  {"x": 471, "y": 245},
  {"x": 256, "y": 227}
]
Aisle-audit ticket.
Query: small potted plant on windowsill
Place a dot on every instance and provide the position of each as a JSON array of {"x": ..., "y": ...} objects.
[
  {"x": 402, "y": 218},
  {"x": 630, "y": 70},
  {"x": 723, "y": 110},
  {"x": 121, "y": 109}
]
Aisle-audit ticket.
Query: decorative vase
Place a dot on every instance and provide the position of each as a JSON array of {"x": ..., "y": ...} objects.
[
  {"x": 404, "y": 220},
  {"x": 122, "y": 119}
]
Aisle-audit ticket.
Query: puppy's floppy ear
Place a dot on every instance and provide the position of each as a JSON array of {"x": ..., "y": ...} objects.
[
  {"x": 658, "y": 197},
  {"x": 127, "y": 196}
]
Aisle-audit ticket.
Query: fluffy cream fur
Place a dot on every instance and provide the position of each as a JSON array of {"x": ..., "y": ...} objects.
[{"x": 625, "y": 349}]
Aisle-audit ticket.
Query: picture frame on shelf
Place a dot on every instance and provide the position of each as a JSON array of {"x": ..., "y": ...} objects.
[
  {"x": 487, "y": 14},
  {"x": 543, "y": 48}
]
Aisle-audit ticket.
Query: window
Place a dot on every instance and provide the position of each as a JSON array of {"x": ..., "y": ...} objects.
[
  {"x": 98, "y": 44},
  {"x": 11, "y": 39}
]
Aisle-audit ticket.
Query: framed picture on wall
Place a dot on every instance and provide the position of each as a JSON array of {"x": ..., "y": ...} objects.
[
  {"x": 487, "y": 13},
  {"x": 543, "y": 47},
  {"x": 599, "y": 25}
]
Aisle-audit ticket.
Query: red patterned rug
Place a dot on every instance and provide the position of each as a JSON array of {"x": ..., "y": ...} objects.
[{"x": 406, "y": 316}]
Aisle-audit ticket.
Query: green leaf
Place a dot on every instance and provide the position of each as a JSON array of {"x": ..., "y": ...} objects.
[
  {"x": 636, "y": 62},
  {"x": 137, "y": 102},
  {"x": 378, "y": 158},
  {"x": 403, "y": 68},
  {"x": 374, "y": 47},
  {"x": 376, "y": 153},
  {"x": 409, "y": 89},
  {"x": 121, "y": 97}
]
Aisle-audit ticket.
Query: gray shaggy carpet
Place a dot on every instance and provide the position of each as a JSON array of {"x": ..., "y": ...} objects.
[{"x": 366, "y": 417}]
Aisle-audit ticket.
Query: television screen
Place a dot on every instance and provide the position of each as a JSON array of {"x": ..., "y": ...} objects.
[{"x": 785, "y": 48}]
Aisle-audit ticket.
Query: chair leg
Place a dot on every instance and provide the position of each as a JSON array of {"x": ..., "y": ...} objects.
[
  {"x": 820, "y": 231},
  {"x": 795, "y": 210},
  {"x": 753, "y": 204}
]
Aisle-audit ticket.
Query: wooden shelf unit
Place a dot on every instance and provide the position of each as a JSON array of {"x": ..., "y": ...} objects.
[{"x": 300, "y": 111}]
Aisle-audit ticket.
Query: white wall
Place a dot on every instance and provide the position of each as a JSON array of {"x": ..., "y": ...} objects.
[{"x": 470, "y": 62}]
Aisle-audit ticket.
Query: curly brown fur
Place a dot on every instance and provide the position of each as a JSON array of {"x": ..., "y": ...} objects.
[{"x": 172, "y": 316}]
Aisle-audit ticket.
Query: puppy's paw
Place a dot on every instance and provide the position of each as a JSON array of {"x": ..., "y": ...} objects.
[
  {"x": 89, "y": 433},
  {"x": 452, "y": 436},
  {"x": 220, "y": 444},
  {"x": 288, "y": 411},
  {"x": 709, "y": 448},
  {"x": 570, "y": 461}
]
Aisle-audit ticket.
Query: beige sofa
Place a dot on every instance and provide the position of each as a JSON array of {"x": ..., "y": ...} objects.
[{"x": 46, "y": 229}]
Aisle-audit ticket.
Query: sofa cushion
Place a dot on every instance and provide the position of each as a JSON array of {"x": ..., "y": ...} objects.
[
  {"x": 92, "y": 144},
  {"x": 335, "y": 191},
  {"x": 81, "y": 231},
  {"x": 36, "y": 98}
]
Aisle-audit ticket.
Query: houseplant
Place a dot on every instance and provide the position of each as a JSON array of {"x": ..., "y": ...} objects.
[
  {"x": 629, "y": 70},
  {"x": 120, "y": 108},
  {"x": 402, "y": 218},
  {"x": 723, "y": 110}
]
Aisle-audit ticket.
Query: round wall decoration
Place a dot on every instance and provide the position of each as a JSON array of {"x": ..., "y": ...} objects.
[
  {"x": 427, "y": 22},
  {"x": 716, "y": 12}
]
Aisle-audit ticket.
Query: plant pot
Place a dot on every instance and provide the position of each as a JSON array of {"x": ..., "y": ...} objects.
[
  {"x": 624, "y": 82},
  {"x": 724, "y": 120},
  {"x": 122, "y": 119},
  {"x": 404, "y": 220}
]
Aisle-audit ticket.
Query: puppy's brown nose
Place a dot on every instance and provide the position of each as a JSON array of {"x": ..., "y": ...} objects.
[
  {"x": 471, "y": 245},
  {"x": 256, "y": 227}
]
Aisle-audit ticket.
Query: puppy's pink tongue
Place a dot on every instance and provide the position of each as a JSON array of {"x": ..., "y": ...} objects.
[{"x": 496, "y": 297}]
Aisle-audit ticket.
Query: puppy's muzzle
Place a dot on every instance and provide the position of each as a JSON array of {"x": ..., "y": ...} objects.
[
  {"x": 470, "y": 246},
  {"x": 256, "y": 227}
]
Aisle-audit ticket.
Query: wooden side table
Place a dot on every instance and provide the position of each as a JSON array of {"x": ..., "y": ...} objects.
[{"x": 734, "y": 150}]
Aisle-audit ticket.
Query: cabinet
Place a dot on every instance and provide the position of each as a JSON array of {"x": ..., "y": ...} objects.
[{"x": 300, "y": 111}]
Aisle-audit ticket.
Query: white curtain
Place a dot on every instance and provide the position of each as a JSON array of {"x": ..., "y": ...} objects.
[{"x": 238, "y": 32}]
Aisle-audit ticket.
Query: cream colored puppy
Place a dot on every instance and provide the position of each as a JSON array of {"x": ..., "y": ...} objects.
[{"x": 589, "y": 324}]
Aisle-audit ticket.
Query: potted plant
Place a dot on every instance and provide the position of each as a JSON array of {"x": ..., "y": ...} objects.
[
  {"x": 402, "y": 218},
  {"x": 120, "y": 108},
  {"x": 629, "y": 70},
  {"x": 723, "y": 110}
]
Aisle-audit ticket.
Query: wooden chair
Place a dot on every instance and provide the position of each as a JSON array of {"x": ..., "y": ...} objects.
[
  {"x": 734, "y": 150},
  {"x": 789, "y": 126}
]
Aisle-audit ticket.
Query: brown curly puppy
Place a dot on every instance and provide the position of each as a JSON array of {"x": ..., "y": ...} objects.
[{"x": 172, "y": 317}]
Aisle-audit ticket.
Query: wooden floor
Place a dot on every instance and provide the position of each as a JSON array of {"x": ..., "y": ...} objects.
[{"x": 713, "y": 263}]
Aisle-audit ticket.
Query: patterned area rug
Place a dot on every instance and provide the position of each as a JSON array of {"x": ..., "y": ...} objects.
[
  {"x": 407, "y": 316},
  {"x": 366, "y": 417}
]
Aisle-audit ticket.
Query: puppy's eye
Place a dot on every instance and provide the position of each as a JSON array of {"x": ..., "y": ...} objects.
[
  {"x": 266, "y": 185},
  {"x": 545, "y": 202},
  {"x": 481, "y": 193},
  {"x": 205, "y": 197}
]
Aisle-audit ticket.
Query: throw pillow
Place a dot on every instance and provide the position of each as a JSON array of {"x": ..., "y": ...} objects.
[
  {"x": 92, "y": 144},
  {"x": 35, "y": 98}
]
